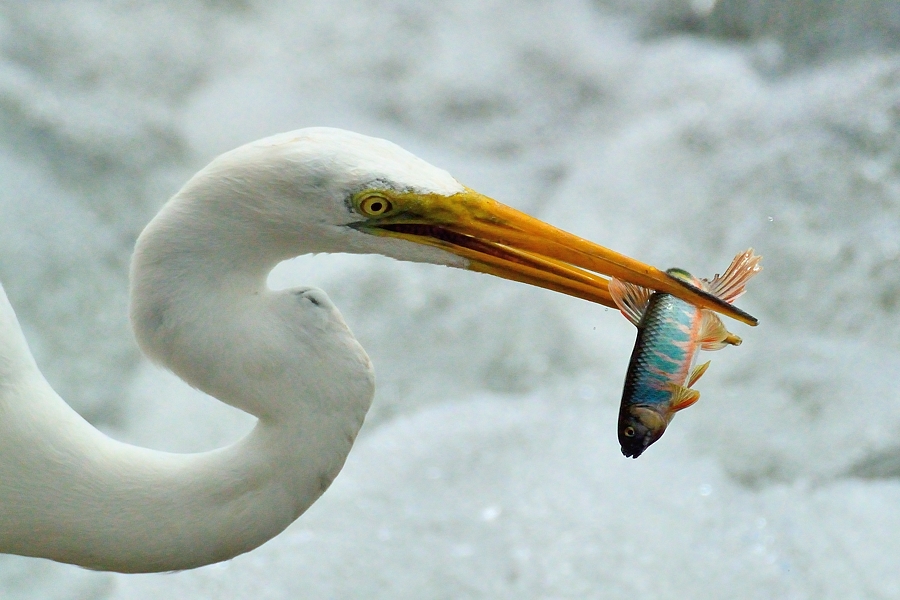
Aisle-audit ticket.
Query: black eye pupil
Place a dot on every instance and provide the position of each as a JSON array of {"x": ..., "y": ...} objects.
[
  {"x": 629, "y": 431},
  {"x": 376, "y": 207}
]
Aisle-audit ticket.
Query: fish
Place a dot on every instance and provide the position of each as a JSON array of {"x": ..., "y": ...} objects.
[{"x": 670, "y": 334}]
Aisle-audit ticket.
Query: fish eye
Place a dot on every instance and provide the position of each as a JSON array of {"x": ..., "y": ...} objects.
[
  {"x": 374, "y": 205},
  {"x": 628, "y": 431}
]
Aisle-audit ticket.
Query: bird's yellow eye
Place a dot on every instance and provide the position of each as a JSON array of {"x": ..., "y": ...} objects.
[
  {"x": 374, "y": 206},
  {"x": 628, "y": 431}
]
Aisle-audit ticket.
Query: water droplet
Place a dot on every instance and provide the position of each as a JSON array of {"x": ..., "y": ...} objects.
[
  {"x": 771, "y": 219},
  {"x": 703, "y": 7},
  {"x": 522, "y": 553},
  {"x": 491, "y": 513}
]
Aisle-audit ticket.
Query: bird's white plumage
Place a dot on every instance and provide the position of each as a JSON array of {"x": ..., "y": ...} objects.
[{"x": 200, "y": 306}]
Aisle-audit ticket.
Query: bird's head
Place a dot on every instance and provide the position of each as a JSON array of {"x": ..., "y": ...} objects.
[{"x": 354, "y": 193}]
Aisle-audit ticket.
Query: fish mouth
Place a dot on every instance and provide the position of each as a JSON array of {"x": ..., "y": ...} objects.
[
  {"x": 496, "y": 239},
  {"x": 632, "y": 453},
  {"x": 635, "y": 450}
]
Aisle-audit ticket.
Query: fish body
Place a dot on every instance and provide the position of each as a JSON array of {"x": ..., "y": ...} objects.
[
  {"x": 671, "y": 332},
  {"x": 664, "y": 351}
]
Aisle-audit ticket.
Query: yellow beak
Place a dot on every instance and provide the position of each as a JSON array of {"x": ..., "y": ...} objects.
[{"x": 505, "y": 242}]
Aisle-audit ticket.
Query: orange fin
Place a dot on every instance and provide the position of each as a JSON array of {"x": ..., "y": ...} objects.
[
  {"x": 730, "y": 286},
  {"x": 697, "y": 373},
  {"x": 682, "y": 397},
  {"x": 713, "y": 335},
  {"x": 631, "y": 299}
]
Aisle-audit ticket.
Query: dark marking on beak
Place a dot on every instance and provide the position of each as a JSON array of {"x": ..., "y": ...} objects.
[{"x": 715, "y": 299}]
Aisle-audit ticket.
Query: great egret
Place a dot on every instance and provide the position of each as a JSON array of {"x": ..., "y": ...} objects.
[{"x": 200, "y": 307}]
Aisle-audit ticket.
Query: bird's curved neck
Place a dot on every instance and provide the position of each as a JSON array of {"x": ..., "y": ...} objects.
[
  {"x": 199, "y": 300},
  {"x": 200, "y": 306}
]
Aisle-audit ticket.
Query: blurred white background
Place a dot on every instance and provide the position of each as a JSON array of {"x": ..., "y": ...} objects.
[{"x": 675, "y": 131}]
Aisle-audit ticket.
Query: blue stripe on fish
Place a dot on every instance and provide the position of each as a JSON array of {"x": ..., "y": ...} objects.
[{"x": 662, "y": 352}]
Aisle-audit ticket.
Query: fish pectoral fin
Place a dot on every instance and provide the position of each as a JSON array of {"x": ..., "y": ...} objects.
[
  {"x": 697, "y": 373},
  {"x": 713, "y": 335},
  {"x": 631, "y": 299},
  {"x": 682, "y": 397},
  {"x": 732, "y": 284}
]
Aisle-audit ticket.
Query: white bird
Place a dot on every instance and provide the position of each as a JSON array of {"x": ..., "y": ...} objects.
[{"x": 200, "y": 307}]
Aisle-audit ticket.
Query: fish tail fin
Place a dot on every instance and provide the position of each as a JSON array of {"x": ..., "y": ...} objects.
[
  {"x": 631, "y": 299},
  {"x": 713, "y": 335},
  {"x": 731, "y": 285}
]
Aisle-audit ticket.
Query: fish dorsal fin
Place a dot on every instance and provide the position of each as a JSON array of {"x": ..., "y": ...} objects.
[
  {"x": 713, "y": 335},
  {"x": 631, "y": 299},
  {"x": 732, "y": 283},
  {"x": 682, "y": 397},
  {"x": 697, "y": 373}
]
